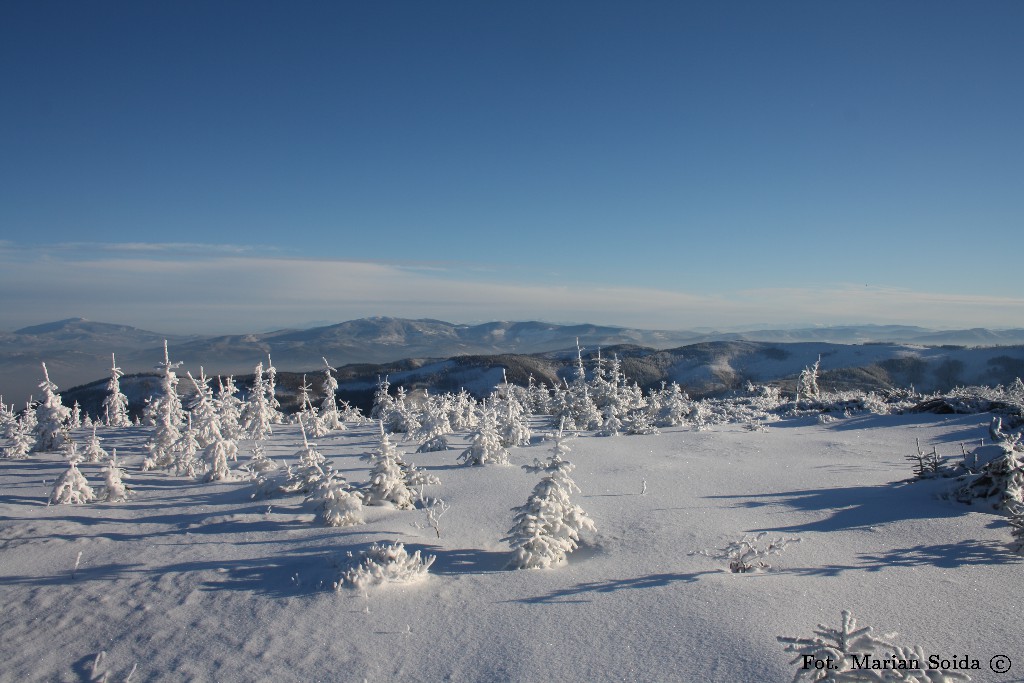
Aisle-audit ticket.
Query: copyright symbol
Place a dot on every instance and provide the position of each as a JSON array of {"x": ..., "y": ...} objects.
[{"x": 1000, "y": 664}]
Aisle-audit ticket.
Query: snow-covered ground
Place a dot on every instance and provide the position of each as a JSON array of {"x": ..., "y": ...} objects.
[{"x": 194, "y": 581}]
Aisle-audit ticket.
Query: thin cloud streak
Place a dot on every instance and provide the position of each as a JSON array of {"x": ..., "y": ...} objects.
[{"x": 167, "y": 288}]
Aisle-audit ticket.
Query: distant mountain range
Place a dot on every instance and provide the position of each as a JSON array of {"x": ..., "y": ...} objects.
[{"x": 77, "y": 351}]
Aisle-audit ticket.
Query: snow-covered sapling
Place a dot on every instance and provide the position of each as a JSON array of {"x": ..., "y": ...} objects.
[
  {"x": 748, "y": 554},
  {"x": 114, "y": 489},
  {"x": 115, "y": 405},
  {"x": 51, "y": 417},
  {"x": 71, "y": 488},
  {"x": 849, "y": 653},
  {"x": 387, "y": 478},
  {"x": 548, "y": 527},
  {"x": 485, "y": 447},
  {"x": 93, "y": 450}
]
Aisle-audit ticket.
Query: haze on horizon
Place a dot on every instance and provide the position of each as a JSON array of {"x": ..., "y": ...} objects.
[{"x": 244, "y": 166}]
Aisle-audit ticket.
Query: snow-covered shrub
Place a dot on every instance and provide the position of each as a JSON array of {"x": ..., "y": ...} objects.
[
  {"x": 997, "y": 481},
  {"x": 71, "y": 488},
  {"x": 229, "y": 408},
  {"x": 337, "y": 504},
  {"x": 639, "y": 423},
  {"x": 434, "y": 427},
  {"x": 848, "y": 652},
  {"x": 748, "y": 553},
  {"x": 548, "y": 527},
  {"x": 385, "y": 563}
]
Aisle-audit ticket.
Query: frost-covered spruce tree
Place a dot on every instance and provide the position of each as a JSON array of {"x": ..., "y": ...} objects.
[
  {"x": 513, "y": 426},
  {"x": 675, "y": 405},
  {"x": 216, "y": 456},
  {"x": 229, "y": 408},
  {"x": 387, "y": 478},
  {"x": 276, "y": 416},
  {"x": 71, "y": 488},
  {"x": 329, "y": 414},
  {"x": 257, "y": 417},
  {"x": 75, "y": 421},
  {"x": 310, "y": 472},
  {"x": 485, "y": 446},
  {"x": 186, "y": 453},
  {"x": 115, "y": 405},
  {"x": 21, "y": 438},
  {"x": 169, "y": 418},
  {"x": 382, "y": 401},
  {"x": 612, "y": 424},
  {"x": 539, "y": 397},
  {"x": 548, "y": 527},
  {"x": 114, "y": 490},
  {"x": 462, "y": 412},
  {"x": 203, "y": 415},
  {"x": 93, "y": 450},
  {"x": 434, "y": 426},
  {"x": 51, "y": 417},
  {"x": 639, "y": 423}
]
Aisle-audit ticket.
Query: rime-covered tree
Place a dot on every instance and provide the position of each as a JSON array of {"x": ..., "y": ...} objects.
[
  {"x": 169, "y": 418},
  {"x": 115, "y": 405},
  {"x": 257, "y": 416},
  {"x": 229, "y": 408},
  {"x": 276, "y": 416},
  {"x": 485, "y": 446},
  {"x": 387, "y": 478},
  {"x": 21, "y": 437},
  {"x": 114, "y": 489},
  {"x": 186, "y": 452},
  {"x": 93, "y": 450},
  {"x": 337, "y": 503},
  {"x": 203, "y": 414},
  {"x": 71, "y": 488},
  {"x": 674, "y": 406},
  {"x": 311, "y": 471},
  {"x": 216, "y": 456},
  {"x": 513, "y": 427},
  {"x": 75, "y": 421},
  {"x": 548, "y": 527},
  {"x": 434, "y": 426},
  {"x": 51, "y": 417},
  {"x": 329, "y": 414}
]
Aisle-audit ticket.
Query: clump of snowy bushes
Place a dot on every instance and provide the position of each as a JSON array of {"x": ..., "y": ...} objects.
[{"x": 385, "y": 563}]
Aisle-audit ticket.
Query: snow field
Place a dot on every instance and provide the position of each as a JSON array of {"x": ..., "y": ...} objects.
[{"x": 198, "y": 581}]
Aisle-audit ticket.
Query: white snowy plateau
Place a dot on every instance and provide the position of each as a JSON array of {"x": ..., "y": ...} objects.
[{"x": 189, "y": 580}]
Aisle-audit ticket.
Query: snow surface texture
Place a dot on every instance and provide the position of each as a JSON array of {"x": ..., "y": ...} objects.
[{"x": 199, "y": 581}]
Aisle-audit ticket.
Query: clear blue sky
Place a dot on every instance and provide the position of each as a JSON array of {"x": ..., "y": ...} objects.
[{"x": 664, "y": 164}]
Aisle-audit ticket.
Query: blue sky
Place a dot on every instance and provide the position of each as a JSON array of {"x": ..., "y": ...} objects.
[{"x": 233, "y": 166}]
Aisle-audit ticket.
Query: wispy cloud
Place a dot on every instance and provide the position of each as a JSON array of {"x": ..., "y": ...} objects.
[{"x": 166, "y": 287}]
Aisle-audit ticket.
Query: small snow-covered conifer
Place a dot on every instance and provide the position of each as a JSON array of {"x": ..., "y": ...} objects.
[
  {"x": 203, "y": 415},
  {"x": 169, "y": 418},
  {"x": 93, "y": 450},
  {"x": 485, "y": 447},
  {"x": 387, "y": 478},
  {"x": 277, "y": 417},
  {"x": 186, "y": 460},
  {"x": 547, "y": 528},
  {"x": 337, "y": 504},
  {"x": 217, "y": 455},
  {"x": 21, "y": 438},
  {"x": 229, "y": 408},
  {"x": 71, "y": 488},
  {"x": 312, "y": 469},
  {"x": 434, "y": 427},
  {"x": 114, "y": 489},
  {"x": 257, "y": 415},
  {"x": 51, "y": 417},
  {"x": 75, "y": 422},
  {"x": 115, "y": 405},
  {"x": 329, "y": 413}
]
